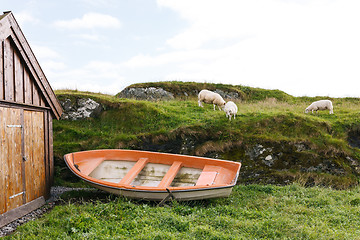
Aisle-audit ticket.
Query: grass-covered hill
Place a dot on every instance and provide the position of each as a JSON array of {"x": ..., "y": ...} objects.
[{"x": 274, "y": 139}]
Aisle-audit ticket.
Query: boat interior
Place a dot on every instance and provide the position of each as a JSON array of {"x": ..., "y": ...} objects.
[{"x": 137, "y": 168}]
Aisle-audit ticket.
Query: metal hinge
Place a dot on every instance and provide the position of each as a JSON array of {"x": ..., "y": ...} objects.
[
  {"x": 14, "y": 126},
  {"x": 18, "y": 194}
]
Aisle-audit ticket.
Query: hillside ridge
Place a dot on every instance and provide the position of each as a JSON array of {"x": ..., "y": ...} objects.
[{"x": 274, "y": 139}]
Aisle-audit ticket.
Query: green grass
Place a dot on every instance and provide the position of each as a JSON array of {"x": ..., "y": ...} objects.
[
  {"x": 269, "y": 117},
  {"x": 134, "y": 118},
  {"x": 251, "y": 212}
]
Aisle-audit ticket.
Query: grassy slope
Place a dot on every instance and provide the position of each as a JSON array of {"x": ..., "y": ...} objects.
[
  {"x": 266, "y": 116},
  {"x": 251, "y": 212}
]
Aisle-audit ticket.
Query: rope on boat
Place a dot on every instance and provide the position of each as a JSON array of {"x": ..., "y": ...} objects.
[{"x": 170, "y": 195}]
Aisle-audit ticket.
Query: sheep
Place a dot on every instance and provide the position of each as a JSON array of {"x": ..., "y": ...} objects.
[
  {"x": 230, "y": 109},
  {"x": 320, "y": 105},
  {"x": 207, "y": 96}
]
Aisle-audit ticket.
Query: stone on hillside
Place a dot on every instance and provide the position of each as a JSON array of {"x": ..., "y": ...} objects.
[
  {"x": 80, "y": 109},
  {"x": 150, "y": 94}
]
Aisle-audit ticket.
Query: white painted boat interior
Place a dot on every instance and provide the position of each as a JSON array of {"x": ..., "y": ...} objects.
[
  {"x": 186, "y": 177},
  {"x": 112, "y": 170},
  {"x": 151, "y": 175}
]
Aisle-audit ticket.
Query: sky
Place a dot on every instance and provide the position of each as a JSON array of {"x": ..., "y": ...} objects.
[{"x": 302, "y": 47}]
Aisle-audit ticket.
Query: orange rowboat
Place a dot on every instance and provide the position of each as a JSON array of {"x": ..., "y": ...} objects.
[{"x": 154, "y": 176}]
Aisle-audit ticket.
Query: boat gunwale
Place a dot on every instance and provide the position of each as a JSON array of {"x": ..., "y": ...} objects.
[{"x": 129, "y": 187}]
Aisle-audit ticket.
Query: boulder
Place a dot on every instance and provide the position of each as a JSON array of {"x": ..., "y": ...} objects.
[
  {"x": 80, "y": 108},
  {"x": 150, "y": 94}
]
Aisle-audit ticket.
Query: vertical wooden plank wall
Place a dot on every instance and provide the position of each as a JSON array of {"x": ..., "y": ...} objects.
[
  {"x": 50, "y": 150},
  {"x": 8, "y": 71},
  {"x": 16, "y": 81},
  {"x": 19, "y": 77},
  {"x": 29, "y": 165},
  {"x": 2, "y": 70},
  {"x": 28, "y": 90},
  {"x": 3, "y": 164}
]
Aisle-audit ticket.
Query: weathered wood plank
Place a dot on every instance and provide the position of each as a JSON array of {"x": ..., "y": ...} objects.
[
  {"x": 36, "y": 97},
  {"x": 22, "y": 156},
  {"x": 9, "y": 178},
  {"x": 5, "y": 30},
  {"x": 18, "y": 197},
  {"x": 42, "y": 101},
  {"x": 13, "y": 138},
  {"x": 51, "y": 153},
  {"x": 46, "y": 154},
  {"x": 37, "y": 170},
  {"x": 2, "y": 90},
  {"x": 29, "y": 166},
  {"x": 19, "y": 78},
  {"x": 14, "y": 214},
  {"x": 8, "y": 71},
  {"x": 41, "y": 151},
  {"x": 35, "y": 154},
  {"x": 27, "y": 87},
  {"x": 3, "y": 162}
]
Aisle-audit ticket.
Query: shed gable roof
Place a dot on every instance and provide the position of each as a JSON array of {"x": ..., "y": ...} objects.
[{"x": 9, "y": 29}]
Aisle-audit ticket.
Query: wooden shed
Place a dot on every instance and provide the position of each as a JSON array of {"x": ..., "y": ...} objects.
[{"x": 27, "y": 107}]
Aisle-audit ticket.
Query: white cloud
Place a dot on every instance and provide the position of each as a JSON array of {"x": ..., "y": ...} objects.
[
  {"x": 25, "y": 17},
  {"x": 91, "y": 37},
  {"x": 100, "y": 3},
  {"x": 96, "y": 76},
  {"x": 43, "y": 52},
  {"x": 50, "y": 66},
  {"x": 90, "y": 21},
  {"x": 302, "y": 47}
]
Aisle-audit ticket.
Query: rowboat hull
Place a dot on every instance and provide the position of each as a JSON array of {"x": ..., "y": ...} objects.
[{"x": 153, "y": 176}]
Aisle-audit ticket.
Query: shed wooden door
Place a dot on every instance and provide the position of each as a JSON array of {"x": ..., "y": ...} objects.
[
  {"x": 34, "y": 153},
  {"x": 11, "y": 177},
  {"x": 22, "y": 152}
]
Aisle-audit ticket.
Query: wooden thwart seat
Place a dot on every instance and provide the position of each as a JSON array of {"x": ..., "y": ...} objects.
[
  {"x": 170, "y": 175},
  {"x": 86, "y": 167},
  {"x": 134, "y": 171},
  {"x": 208, "y": 175}
]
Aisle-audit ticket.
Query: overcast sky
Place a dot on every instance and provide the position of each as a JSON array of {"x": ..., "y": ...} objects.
[{"x": 303, "y": 47}]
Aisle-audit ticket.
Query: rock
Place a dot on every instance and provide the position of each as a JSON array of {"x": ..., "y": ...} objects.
[
  {"x": 150, "y": 94},
  {"x": 158, "y": 93},
  {"x": 269, "y": 161},
  {"x": 80, "y": 108},
  {"x": 257, "y": 151},
  {"x": 228, "y": 95}
]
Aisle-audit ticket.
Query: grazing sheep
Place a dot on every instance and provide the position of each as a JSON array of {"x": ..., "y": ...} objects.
[
  {"x": 320, "y": 105},
  {"x": 207, "y": 96},
  {"x": 230, "y": 109}
]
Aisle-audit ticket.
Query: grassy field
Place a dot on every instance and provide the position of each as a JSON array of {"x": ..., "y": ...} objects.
[
  {"x": 126, "y": 120},
  {"x": 265, "y": 117},
  {"x": 251, "y": 212}
]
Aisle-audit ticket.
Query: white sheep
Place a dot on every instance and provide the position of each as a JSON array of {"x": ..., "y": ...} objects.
[
  {"x": 207, "y": 96},
  {"x": 230, "y": 109},
  {"x": 320, "y": 105}
]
